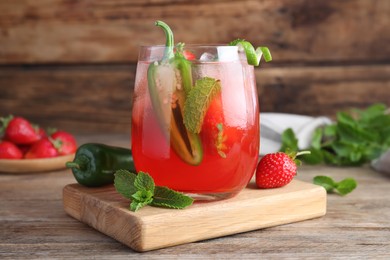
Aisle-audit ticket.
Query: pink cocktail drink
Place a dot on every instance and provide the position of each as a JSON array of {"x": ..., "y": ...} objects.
[{"x": 195, "y": 118}]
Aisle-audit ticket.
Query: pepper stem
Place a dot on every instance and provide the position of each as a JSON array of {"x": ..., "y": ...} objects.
[
  {"x": 72, "y": 165},
  {"x": 169, "y": 43}
]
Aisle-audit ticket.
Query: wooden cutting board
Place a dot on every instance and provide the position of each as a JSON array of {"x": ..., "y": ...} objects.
[{"x": 152, "y": 228}]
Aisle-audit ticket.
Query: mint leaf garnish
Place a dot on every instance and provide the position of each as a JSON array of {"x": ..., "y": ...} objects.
[
  {"x": 141, "y": 190},
  {"x": 136, "y": 205},
  {"x": 198, "y": 101},
  {"x": 140, "y": 199},
  {"x": 346, "y": 186},
  {"x": 325, "y": 181},
  {"x": 124, "y": 183},
  {"x": 165, "y": 197},
  {"x": 143, "y": 196},
  {"x": 144, "y": 182},
  {"x": 343, "y": 187}
]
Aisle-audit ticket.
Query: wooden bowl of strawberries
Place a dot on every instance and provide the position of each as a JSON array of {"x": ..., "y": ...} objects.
[{"x": 25, "y": 147}]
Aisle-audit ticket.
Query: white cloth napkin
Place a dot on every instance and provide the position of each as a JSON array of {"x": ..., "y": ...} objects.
[
  {"x": 382, "y": 164},
  {"x": 272, "y": 126}
]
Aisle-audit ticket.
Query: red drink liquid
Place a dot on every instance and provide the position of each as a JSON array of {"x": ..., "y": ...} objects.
[{"x": 229, "y": 135}]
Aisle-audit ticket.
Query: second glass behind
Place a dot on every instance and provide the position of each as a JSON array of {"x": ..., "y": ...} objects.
[{"x": 195, "y": 120}]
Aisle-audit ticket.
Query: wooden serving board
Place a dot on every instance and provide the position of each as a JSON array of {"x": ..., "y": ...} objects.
[{"x": 152, "y": 228}]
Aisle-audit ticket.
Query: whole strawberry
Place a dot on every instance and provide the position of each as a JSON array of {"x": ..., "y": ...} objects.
[
  {"x": 44, "y": 148},
  {"x": 67, "y": 142},
  {"x": 9, "y": 150},
  {"x": 19, "y": 130},
  {"x": 276, "y": 170}
]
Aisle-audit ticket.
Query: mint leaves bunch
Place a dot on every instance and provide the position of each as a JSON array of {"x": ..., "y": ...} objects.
[
  {"x": 353, "y": 140},
  {"x": 343, "y": 187},
  {"x": 141, "y": 190}
]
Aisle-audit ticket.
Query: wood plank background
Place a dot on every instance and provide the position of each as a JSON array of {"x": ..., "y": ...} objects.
[{"x": 71, "y": 64}]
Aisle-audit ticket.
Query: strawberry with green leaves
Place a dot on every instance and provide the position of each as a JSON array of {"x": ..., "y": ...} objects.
[
  {"x": 277, "y": 169},
  {"x": 67, "y": 142},
  {"x": 44, "y": 148},
  {"x": 18, "y": 130},
  {"x": 57, "y": 144}
]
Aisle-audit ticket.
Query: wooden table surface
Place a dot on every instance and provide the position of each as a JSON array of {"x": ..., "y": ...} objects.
[{"x": 33, "y": 223}]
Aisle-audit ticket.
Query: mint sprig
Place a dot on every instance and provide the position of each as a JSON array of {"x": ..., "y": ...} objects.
[
  {"x": 141, "y": 190},
  {"x": 343, "y": 187}
]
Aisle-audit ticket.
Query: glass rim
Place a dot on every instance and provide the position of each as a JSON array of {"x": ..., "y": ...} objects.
[
  {"x": 193, "y": 45},
  {"x": 220, "y": 52}
]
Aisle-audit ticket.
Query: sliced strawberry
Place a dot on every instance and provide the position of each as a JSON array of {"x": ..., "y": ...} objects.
[
  {"x": 18, "y": 130},
  {"x": 44, "y": 148},
  {"x": 212, "y": 133},
  {"x": 67, "y": 142},
  {"x": 9, "y": 150},
  {"x": 216, "y": 135},
  {"x": 189, "y": 55}
]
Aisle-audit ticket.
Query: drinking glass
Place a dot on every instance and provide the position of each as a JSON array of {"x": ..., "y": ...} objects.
[{"x": 218, "y": 158}]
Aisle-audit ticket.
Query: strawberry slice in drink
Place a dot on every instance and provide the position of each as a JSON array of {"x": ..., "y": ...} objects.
[{"x": 217, "y": 136}]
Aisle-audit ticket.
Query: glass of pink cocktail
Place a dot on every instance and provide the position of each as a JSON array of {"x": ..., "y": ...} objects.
[{"x": 195, "y": 118}]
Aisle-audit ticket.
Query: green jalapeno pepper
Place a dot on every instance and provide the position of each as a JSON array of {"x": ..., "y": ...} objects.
[
  {"x": 169, "y": 82},
  {"x": 95, "y": 164}
]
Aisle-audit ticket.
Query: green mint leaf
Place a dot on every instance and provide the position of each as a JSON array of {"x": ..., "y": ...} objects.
[
  {"x": 373, "y": 151},
  {"x": 142, "y": 191},
  {"x": 124, "y": 183},
  {"x": 343, "y": 187},
  {"x": 144, "y": 182},
  {"x": 331, "y": 158},
  {"x": 352, "y": 134},
  {"x": 143, "y": 196},
  {"x": 346, "y": 119},
  {"x": 326, "y": 182},
  {"x": 342, "y": 149},
  {"x": 317, "y": 138},
  {"x": 355, "y": 156},
  {"x": 198, "y": 101},
  {"x": 136, "y": 205},
  {"x": 165, "y": 197},
  {"x": 289, "y": 141},
  {"x": 330, "y": 130},
  {"x": 371, "y": 112},
  {"x": 315, "y": 157},
  {"x": 346, "y": 186}
]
